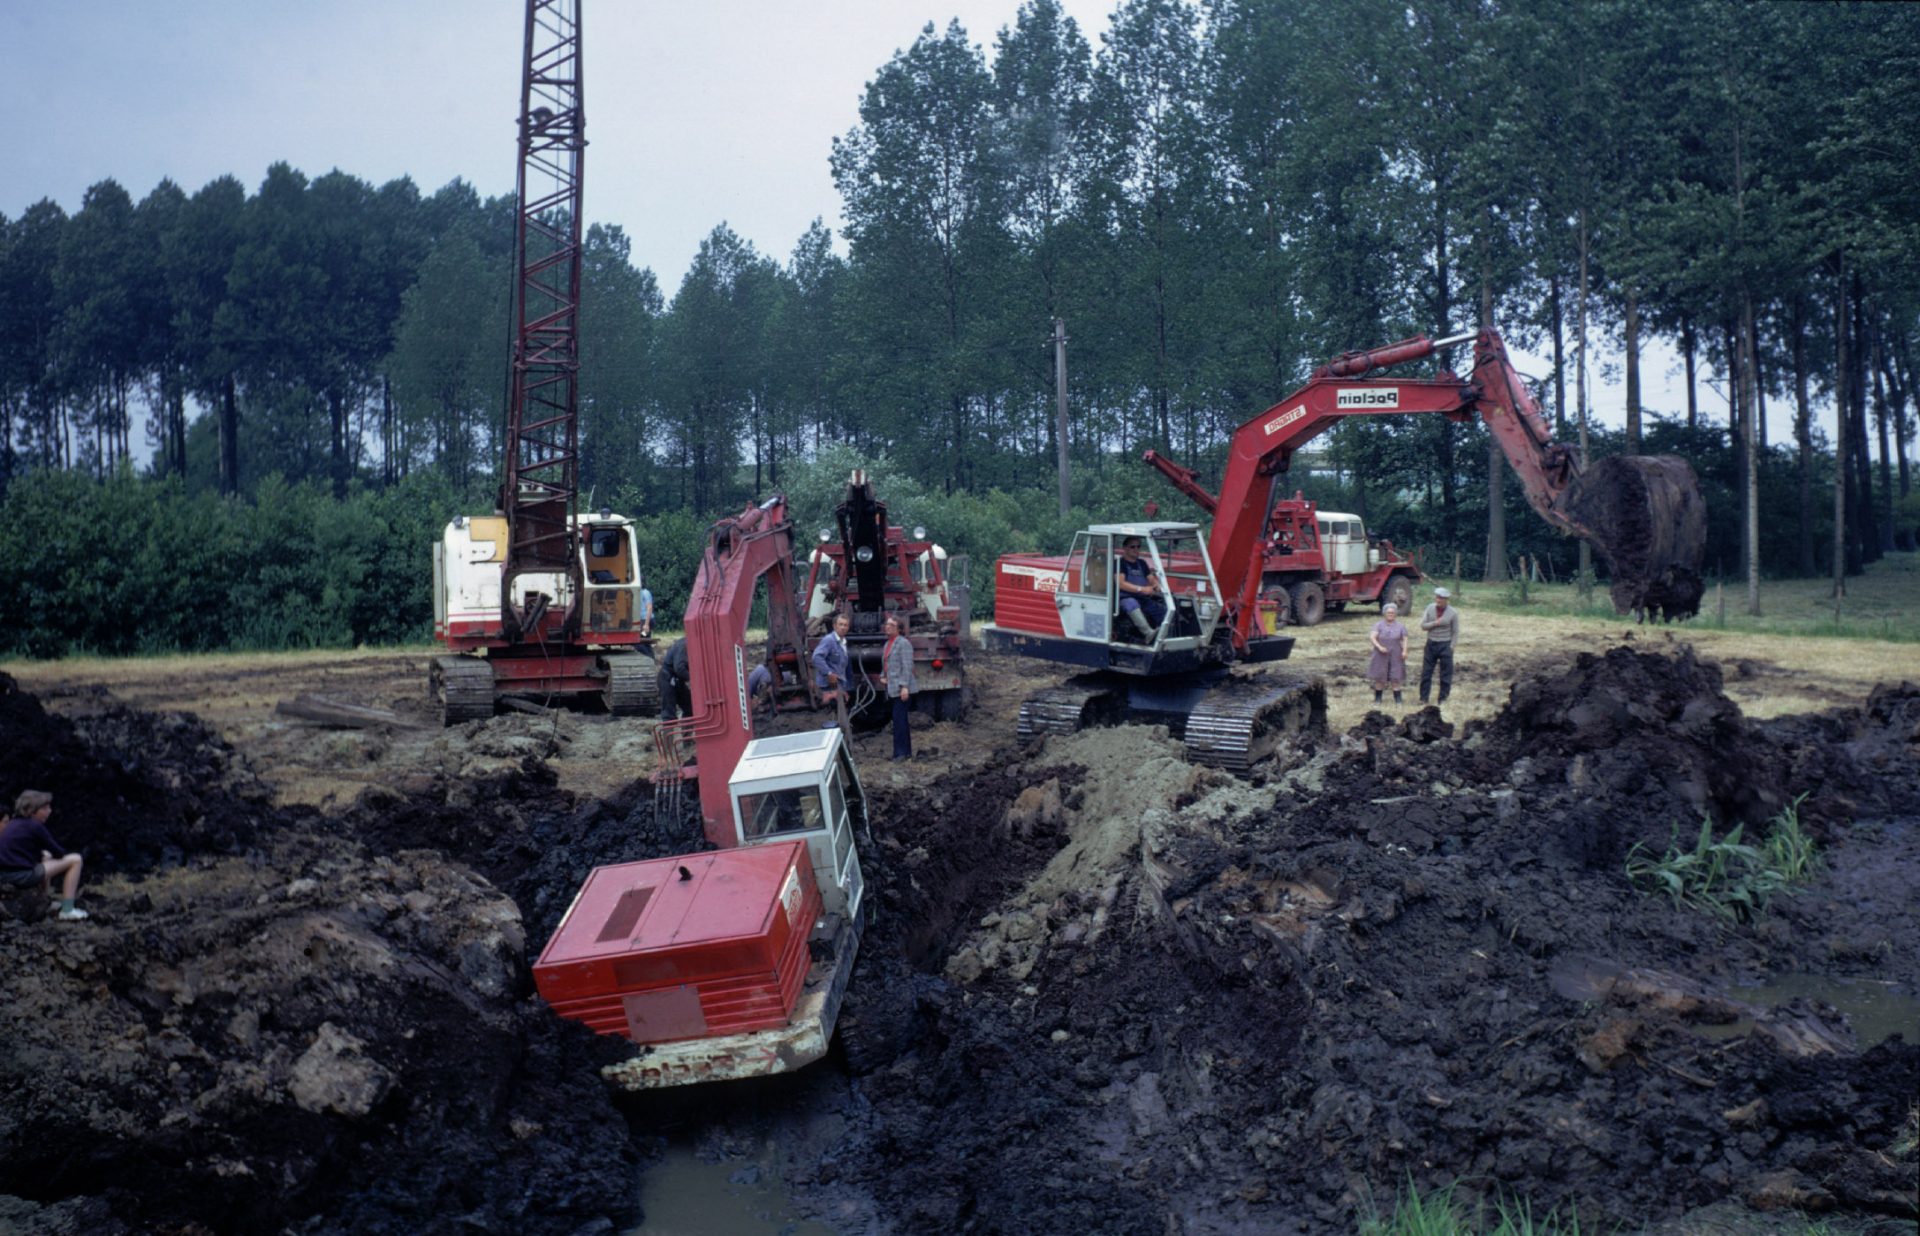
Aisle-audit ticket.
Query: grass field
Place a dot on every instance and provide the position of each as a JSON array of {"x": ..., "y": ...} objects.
[{"x": 1883, "y": 604}]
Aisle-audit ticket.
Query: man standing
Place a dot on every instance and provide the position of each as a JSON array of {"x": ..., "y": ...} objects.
[
  {"x": 675, "y": 683},
  {"x": 646, "y": 612},
  {"x": 1441, "y": 622},
  {"x": 899, "y": 662},
  {"x": 830, "y": 661}
]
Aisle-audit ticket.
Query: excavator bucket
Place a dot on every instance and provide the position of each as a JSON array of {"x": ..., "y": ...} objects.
[{"x": 1647, "y": 517}]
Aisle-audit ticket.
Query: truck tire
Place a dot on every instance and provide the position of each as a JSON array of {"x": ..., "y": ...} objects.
[
  {"x": 1398, "y": 593},
  {"x": 1309, "y": 603}
]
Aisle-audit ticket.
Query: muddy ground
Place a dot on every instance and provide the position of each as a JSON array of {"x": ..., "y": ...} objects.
[{"x": 1104, "y": 991}]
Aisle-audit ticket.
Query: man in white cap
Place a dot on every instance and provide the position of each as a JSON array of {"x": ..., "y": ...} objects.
[{"x": 1441, "y": 622}]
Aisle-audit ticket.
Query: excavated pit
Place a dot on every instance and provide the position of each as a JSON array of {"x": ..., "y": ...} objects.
[{"x": 1104, "y": 990}]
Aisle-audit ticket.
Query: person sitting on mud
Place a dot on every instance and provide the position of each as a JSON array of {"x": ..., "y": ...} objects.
[
  {"x": 1139, "y": 590},
  {"x": 29, "y": 855},
  {"x": 1441, "y": 622},
  {"x": 1388, "y": 665}
]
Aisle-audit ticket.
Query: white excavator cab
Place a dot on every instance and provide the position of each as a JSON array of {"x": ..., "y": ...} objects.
[
  {"x": 1091, "y": 603},
  {"x": 803, "y": 787}
]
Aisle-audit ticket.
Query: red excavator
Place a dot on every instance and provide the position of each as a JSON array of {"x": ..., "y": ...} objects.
[
  {"x": 732, "y": 962},
  {"x": 1645, "y": 516}
]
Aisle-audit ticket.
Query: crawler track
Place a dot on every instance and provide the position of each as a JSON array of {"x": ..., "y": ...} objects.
[
  {"x": 1076, "y": 704},
  {"x": 1234, "y": 724},
  {"x": 633, "y": 688},
  {"x": 1239, "y": 722},
  {"x": 464, "y": 687}
]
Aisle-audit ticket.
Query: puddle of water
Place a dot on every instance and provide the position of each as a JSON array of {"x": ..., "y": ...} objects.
[
  {"x": 1876, "y": 1011},
  {"x": 683, "y": 1195}
]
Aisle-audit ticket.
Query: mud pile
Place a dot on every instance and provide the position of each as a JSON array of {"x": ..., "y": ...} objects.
[
  {"x": 1264, "y": 1014},
  {"x": 273, "y": 1023},
  {"x": 180, "y": 784}
]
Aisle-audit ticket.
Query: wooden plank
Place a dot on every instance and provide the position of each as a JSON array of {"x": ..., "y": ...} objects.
[{"x": 341, "y": 715}]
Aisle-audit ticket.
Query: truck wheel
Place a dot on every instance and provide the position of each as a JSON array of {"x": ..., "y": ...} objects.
[
  {"x": 1309, "y": 603},
  {"x": 1398, "y": 593}
]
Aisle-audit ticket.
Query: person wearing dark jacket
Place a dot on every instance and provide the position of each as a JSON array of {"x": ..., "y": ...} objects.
[
  {"x": 898, "y": 659},
  {"x": 29, "y": 855},
  {"x": 675, "y": 683}
]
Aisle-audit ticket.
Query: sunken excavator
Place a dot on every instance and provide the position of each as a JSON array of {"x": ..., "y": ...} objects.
[{"x": 1161, "y": 615}]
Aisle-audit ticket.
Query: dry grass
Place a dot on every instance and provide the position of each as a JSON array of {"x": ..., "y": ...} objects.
[{"x": 1783, "y": 662}]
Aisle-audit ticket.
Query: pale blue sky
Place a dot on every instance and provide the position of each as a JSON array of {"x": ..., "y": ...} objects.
[{"x": 698, "y": 111}]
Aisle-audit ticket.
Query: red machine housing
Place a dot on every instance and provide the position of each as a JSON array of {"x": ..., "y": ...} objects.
[{"x": 694, "y": 946}]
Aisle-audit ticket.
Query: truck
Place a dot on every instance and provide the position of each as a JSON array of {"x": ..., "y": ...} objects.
[
  {"x": 1645, "y": 516},
  {"x": 1313, "y": 562},
  {"x": 871, "y": 570}
]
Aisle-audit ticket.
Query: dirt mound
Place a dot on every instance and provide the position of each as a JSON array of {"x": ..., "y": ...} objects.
[
  {"x": 1257, "y": 1011},
  {"x": 273, "y": 1022},
  {"x": 131, "y": 789}
]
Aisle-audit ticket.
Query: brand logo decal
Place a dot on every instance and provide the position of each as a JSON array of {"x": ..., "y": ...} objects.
[
  {"x": 1281, "y": 421},
  {"x": 1369, "y": 397},
  {"x": 740, "y": 685}
]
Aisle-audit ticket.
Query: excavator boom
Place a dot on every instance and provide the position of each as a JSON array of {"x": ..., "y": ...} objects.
[{"x": 1644, "y": 514}]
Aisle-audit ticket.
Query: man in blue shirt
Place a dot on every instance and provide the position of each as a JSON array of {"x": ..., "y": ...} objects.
[
  {"x": 830, "y": 661},
  {"x": 646, "y": 612},
  {"x": 1139, "y": 590}
]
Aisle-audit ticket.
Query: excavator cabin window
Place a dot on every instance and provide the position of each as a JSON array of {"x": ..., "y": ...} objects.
[{"x": 781, "y": 811}]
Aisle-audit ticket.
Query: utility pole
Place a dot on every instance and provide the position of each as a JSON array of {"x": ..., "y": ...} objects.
[{"x": 1060, "y": 407}]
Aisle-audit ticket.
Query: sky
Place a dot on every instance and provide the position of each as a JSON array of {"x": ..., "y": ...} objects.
[{"x": 699, "y": 112}]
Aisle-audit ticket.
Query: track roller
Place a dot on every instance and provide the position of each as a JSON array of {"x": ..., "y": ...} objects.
[
  {"x": 1240, "y": 722},
  {"x": 1076, "y": 704}
]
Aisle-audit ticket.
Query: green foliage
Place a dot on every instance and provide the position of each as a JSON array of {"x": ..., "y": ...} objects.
[
  {"x": 1726, "y": 876},
  {"x": 133, "y": 566},
  {"x": 669, "y": 545}
]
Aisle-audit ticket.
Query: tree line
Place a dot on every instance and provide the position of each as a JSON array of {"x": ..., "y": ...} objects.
[{"x": 1219, "y": 196}]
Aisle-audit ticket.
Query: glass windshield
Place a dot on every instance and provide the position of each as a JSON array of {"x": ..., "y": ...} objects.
[
  {"x": 781, "y": 811},
  {"x": 1182, "y": 558}
]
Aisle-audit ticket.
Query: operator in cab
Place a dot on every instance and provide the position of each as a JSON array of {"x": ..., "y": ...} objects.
[{"x": 1139, "y": 590}]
